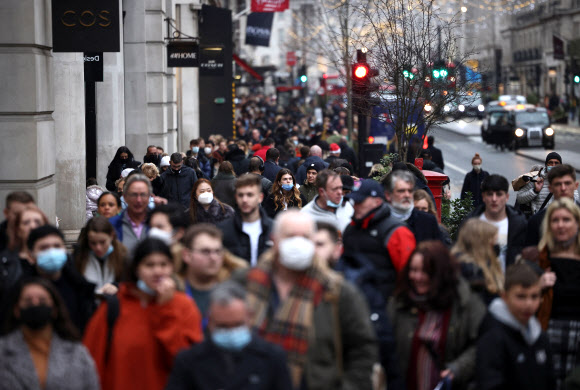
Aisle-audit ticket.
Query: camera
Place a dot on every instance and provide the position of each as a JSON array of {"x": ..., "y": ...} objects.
[{"x": 528, "y": 179}]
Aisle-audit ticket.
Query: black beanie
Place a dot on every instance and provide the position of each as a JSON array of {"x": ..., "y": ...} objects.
[{"x": 553, "y": 155}]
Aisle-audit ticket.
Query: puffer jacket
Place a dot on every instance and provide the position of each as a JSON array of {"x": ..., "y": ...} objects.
[
  {"x": 177, "y": 187},
  {"x": 527, "y": 194},
  {"x": 224, "y": 188},
  {"x": 467, "y": 313},
  {"x": 93, "y": 194}
]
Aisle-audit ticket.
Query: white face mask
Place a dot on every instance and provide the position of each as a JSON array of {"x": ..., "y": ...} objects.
[
  {"x": 477, "y": 167},
  {"x": 207, "y": 150},
  {"x": 296, "y": 253},
  {"x": 162, "y": 235},
  {"x": 205, "y": 198}
]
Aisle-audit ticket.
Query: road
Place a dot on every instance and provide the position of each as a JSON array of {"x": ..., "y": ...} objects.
[{"x": 458, "y": 149}]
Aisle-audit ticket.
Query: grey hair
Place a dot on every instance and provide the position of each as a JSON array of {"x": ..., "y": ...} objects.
[
  {"x": 293, "y": 215},
  {"x": 392, "y": 178},
  {"x": 138, "y": 177},
  {"x": 224, "y": 293}
]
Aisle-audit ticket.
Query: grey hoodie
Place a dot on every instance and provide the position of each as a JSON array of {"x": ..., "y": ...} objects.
[{"x": 500, "y": 312}]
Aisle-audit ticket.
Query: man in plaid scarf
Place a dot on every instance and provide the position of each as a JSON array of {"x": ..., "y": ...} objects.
[{"x": 321, "y": 320}]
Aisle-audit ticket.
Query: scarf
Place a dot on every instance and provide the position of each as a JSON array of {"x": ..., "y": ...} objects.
[
  {"x": 291, "y": 326},
  {"x": 428, "y": 349}
]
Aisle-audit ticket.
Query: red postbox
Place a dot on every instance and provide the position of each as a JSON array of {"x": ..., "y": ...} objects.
[{"x": 435, "y": 182}]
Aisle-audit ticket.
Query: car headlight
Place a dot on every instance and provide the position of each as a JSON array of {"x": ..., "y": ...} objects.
[
  {"x": 549, "y": 131},
  {"x": 519, "y": 133},
  {"x": 428, "y": 107},
  {"x": 447, "y": 108},
  {"x": 481, "y": 108},
  {"x": 461, "y": 107}
]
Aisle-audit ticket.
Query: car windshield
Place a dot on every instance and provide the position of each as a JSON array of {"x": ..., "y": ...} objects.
[
  {"x": 532, "y": 118},
  {"x": 498, "y": 118}
]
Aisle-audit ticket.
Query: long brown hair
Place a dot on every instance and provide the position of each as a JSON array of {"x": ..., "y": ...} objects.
[
  {"x": 116, "y": 260},
  {"x": 15, "y": 242},
  {"x": 280, "y": 195},
  {"x": 193, "y": 204},
  {"x": 443, "y": 273}
]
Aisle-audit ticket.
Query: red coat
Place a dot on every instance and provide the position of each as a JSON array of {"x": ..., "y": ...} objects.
[
  {"x": 262, "y": 152},
  {"x": 145, "y": 341}
]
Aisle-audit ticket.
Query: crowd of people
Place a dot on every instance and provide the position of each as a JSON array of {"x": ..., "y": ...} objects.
[{"x": 264, "y": 262}]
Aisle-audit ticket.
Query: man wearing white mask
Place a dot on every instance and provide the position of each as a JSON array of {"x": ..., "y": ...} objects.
[
  {"x": 167, "y": 223},
  {"x": 320, "y": 320},
  {"x": 399, "y": 189}
]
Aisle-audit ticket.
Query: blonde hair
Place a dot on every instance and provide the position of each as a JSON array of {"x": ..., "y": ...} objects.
[
  {"x": 473, "y": 246},
  {"x": 548, "y": 240},
  {"x": 150, "y": 170}
]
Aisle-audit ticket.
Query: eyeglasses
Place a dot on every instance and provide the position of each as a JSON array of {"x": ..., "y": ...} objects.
[
  {"x": 209, "y": 252},
  {"x": 134, "y": 195}
]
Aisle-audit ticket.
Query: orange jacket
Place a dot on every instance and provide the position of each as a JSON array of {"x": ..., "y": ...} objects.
[{"x": 145, "y": 341}]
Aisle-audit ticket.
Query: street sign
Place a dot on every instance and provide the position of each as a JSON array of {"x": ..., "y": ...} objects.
[
  {"x": 291, "y": 58},
  {"x": 183, "y": 54},
  {"x": 211, "y": 60},
  {"x": 93, "y": 66}
]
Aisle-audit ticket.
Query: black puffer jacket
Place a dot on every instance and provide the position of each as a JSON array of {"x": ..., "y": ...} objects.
[
  {"x": 239, "y": 161},
  {"x": 176, "y": 187},
  {"x": 238, "y": 242},
  {"x": 472, "y": 183},
  {"x": 215, "y": 214},
  {"x": 224, "y": 188}
]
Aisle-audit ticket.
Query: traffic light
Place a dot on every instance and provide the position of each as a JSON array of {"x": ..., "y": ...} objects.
[
  {"x": 408, "y": 73},
  {"x": 440, "y": 73},
  {"x": 576, "y": 79},
  {"x": 303, "y": 76},
  {"x": 362, "y": 87}
]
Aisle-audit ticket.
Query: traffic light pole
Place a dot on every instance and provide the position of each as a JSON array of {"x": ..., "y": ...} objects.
[{"x": 362, "y": 139}]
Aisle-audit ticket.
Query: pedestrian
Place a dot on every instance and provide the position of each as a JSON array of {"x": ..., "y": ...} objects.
[
  {"x": 329, "y": 204},
  {"x": 178, "y": 181},
  {"x": 271, "y": 167},
  {"x": 536, "y": 193},
  {"x": 152, "y": 172},
  {"x": 436, "y": 154},
  {"x": 99, "y": 256},
  {"x": 238, "y": 159},
  {"x": 399, "y": 188},
  {"x": 559, "y": 258},
  {"x": 561, "y": 183},
  {"x": 224, "y": 183},
  {"x": 14, "y": 203},
  {"x": 206, "y": 263},
  {"x": 321, "y": 321},
  {"x": 308, "y": 188},
  {"x": 41, "y": 348},
  {"x": 423, "y": 202},
  {"x": 334, "y": 153},
  {"x": 164, "y": 164},
  {"x": 152, "y": 157},
  {"x": 436, "y": 319},
  {"x": 93, "y": 192},
  {"x": 285, "y": 195},
  {"x": 315, "y": 155},
  {"x": 202, "y": 160},
  {"x": 475, "y": 250},
  {"x": 123, "y": 159},
  {"x": 205, "y": 207},
  {"x": 248, "y": 234},
  {"x": 28, "y": 219},
  {"x": 328, "y": 242},
  {"x": 51, "y": 261},
  {"x": 511, "y": 223},
  {"x": 257, "y": 168},
  {"x": 513, "y": 352},
  {"x": 232, "y": 356},
  {"x": 109, "y": 204},
  {"x": 473, "y": 180},
  {"x": 347, "y": 153},
  {"x": 153, "y": 322},
  {"x": 130, "y": 225}
]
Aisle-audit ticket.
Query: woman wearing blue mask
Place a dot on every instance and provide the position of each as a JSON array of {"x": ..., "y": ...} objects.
[
  {"x": 153, "y": 323},
  {"x": 285, "y": 194},
  {"x": 99, "y": 256}
]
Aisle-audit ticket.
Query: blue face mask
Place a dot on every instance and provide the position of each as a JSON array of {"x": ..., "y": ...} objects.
[
  {"x": 109, "y": 251},
  {"x": 141, "y": 285},
  {"x": 330, "y": 203},
  {"x": 548, "y": 169},
  {"x": 51, "y": 260},
  {"x": 287, "y": 187},
  {"x": 295, "y": 142},
  {"x": 195, "y": 149},
  {"x": 232, "y": 339}
]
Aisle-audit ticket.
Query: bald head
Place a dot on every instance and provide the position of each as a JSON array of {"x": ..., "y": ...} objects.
[
  {"x": 316, "y": 151},
  {"x": 292, "y": 223}
]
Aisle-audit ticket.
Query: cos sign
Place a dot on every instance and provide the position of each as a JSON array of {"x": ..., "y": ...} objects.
[{"x": 85, "y": 26}]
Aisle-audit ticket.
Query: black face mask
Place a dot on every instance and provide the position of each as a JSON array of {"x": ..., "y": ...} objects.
[
  {"x": 151, "y": 159},
  {"x": 496, "y": 250},
  {"x": 36, "y": 317}
]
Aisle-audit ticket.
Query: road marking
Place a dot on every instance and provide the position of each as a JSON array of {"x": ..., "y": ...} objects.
[{"x": 455, "y": 168}]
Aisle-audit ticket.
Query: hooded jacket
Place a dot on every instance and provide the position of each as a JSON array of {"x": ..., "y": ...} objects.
[
  {"x": 511, "y": 355},
  {"x": 177, "y": 187},
  {"x": 239, "y": 161}
]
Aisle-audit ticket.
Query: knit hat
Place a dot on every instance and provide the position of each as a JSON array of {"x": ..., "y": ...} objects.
[
  {"x": 334, "y": 148},
  {"x": 553, "y": 155},
  {"x": 476, "y": 157},
  {"x": 164, "y": 161},
  {"x": 317, "y": 166},
  {"x": 347, "y": 182},
  {"x": 125, "y": 172}
]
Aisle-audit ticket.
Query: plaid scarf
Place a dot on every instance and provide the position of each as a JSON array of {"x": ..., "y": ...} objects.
[{"x": 291, "y": 326}]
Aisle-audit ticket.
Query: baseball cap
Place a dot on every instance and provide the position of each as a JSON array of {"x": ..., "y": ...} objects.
[{"x": 368, "y": 187}]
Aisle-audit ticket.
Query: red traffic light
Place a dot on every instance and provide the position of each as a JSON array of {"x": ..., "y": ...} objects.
[{"x": 361, "y": 71}]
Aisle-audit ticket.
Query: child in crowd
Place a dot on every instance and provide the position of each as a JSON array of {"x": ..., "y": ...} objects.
[{"x": 513, "y": 351}]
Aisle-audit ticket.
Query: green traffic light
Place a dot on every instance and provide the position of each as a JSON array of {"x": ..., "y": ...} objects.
[
  {"x": 443, "y": 72},
  {"x": 436, "y": 73},
  {"x": 408, "y": 75},
  {"x": 577, "y": 79},
  {"x": 304, "y": 78}
]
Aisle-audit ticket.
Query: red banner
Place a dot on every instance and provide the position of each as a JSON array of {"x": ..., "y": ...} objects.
[{"x": 270, "y": 5}]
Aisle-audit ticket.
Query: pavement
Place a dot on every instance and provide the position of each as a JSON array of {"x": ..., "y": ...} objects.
[{"x": 472, "y": 127}]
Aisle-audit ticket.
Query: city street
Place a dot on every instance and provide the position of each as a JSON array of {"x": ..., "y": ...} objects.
[{"x": 460, "y": 141}]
